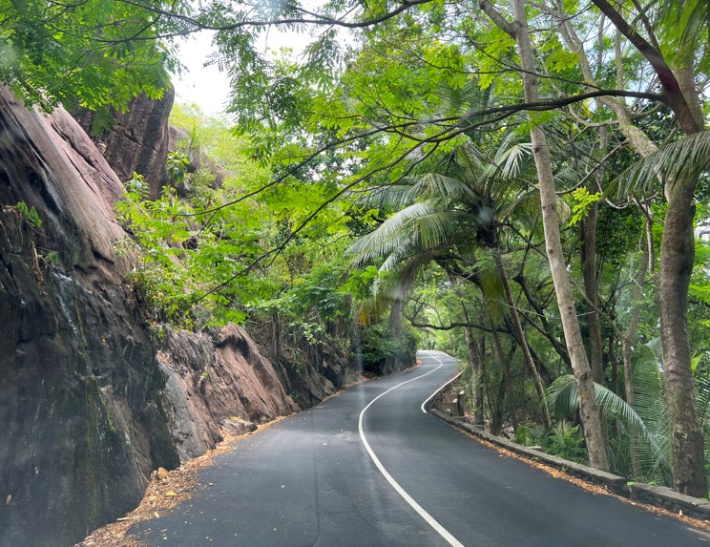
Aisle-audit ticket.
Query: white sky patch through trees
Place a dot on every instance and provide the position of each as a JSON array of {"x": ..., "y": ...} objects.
[{"x": 206, "y": 86}]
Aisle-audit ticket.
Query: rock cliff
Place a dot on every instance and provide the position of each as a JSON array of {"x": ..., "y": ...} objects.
[
  {"x": 217, "y": 379},
  {"x": 90, "y": 402}
]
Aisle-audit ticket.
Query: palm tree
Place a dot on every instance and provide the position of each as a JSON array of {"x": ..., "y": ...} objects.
[
  {"x": 447, "y": 214},
  {"x": 645, "y": 426}
]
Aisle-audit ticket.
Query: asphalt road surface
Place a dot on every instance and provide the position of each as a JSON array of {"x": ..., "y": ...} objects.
[{"x": 369, "y": 468}]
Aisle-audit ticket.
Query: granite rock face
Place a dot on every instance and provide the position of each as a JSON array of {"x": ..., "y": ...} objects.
[
  {"x": 139, "y": 140},
  {"x": 80, "y": 390},
  {"x": 217, "y": 379},
  {"x": 310, "y": 372},
  {"x": 90, "y": 403}
]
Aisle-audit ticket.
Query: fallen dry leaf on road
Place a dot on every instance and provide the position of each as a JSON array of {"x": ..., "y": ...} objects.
[{"x": 166, "y": 490}]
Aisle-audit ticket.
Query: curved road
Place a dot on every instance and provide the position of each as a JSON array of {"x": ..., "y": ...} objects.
[{"x": 370, "y": 468}]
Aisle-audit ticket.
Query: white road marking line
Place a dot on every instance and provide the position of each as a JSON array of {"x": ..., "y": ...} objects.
[
  {"x": 423, "y": 407},
  {"x": 443, "y": 532}
]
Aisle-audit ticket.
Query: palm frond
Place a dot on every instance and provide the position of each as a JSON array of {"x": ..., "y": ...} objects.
[
  {"x": 371, "y": 247},
  {"x": 512, "y": 160},
  {"x": 441, "y": 227},
  {"x": 390, "y": 234},
  {"x": 394, "y": 261},
  {"x": 651, "y": 405},
  {"x": 470, "y": 158},
  {"x": 491, "y": 286},
  {"x": 563, "y": 399},
  {"x": 416, "y": 228},
  {"x": 702, "y": 399},
  {"x": 562, "y": 396},
  {"x": 392, "y": 196},
  {"x": 527, "y": 205},
  {"x": 676, "y": 163},
  {"x": 687, "y": 18},
  {"x": 567, "y": 177},
  {"x": 435, "y": 186}
]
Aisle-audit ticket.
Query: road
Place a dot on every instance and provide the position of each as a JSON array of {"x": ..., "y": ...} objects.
[{"x": 370, "y": 468}]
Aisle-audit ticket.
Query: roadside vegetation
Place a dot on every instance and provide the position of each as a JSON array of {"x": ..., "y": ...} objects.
[{"x": 523, "y": 184}]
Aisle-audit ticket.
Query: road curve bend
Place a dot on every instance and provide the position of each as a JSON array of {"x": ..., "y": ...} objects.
[{"x": 369, "y": 468}]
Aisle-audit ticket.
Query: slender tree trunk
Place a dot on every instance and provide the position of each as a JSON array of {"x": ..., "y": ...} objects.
[
  {"x": 613, "y": 361},
  {"x": 485, "y": 384},
  {"x": 591, "y": 289},
  {"x": 475, "y": 355},
  {"x": 276, "y": 335},
  {"x": 475, "y": 359},
  {"x": 589, "y": 227},
  {"x": 589, "y": 410},
  {"x": 650, "y": 248},
  {"x": 506, "y": 375},
  {"x": 520, "y": 335},
  {"x": 497, "y": 410}
]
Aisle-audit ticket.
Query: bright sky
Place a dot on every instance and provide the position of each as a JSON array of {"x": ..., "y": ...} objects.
[{"x": 207, "y": 86}]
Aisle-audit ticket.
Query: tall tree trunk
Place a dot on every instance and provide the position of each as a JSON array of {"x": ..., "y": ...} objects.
[
  {"x": 506, "y": 375},
  {"x": 677, "y": 255},
  {"x": 497, "y": 408},
  {"x": 276, "y": 335},
  {"x": 520, "y": 335},
  {"x": 591, "y": 289},
  {"x": 677, "y": 258},
  {"x": 474, "y": 355},
  {"x": 613, "y": 361},
  {"x": 589, "y": 226},
  {"x": 588, "y": 408}
]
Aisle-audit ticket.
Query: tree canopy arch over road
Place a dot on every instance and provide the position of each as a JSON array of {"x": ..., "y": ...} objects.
[{"x": 588, "y": 90}]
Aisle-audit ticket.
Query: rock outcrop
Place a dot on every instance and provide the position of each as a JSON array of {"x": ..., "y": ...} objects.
[
  {"x": 138, "y": 141},
  {"x": 217, "y": 379},
  {"x": 310, "y": 372},
  {"x": 80, "y": 393},
  {"x": 88, "y": 404}
]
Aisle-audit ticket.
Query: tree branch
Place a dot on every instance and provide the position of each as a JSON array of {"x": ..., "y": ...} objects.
[
  {"x": 497, "y": 17},
  {"x": 669, "y": 82},
  {"x": 313, "y": 19}
]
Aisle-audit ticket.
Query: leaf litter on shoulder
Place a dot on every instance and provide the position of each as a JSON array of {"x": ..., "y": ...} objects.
[
  {"x": 592, "y": 488},
  {"x": 166, "y": 490}
]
